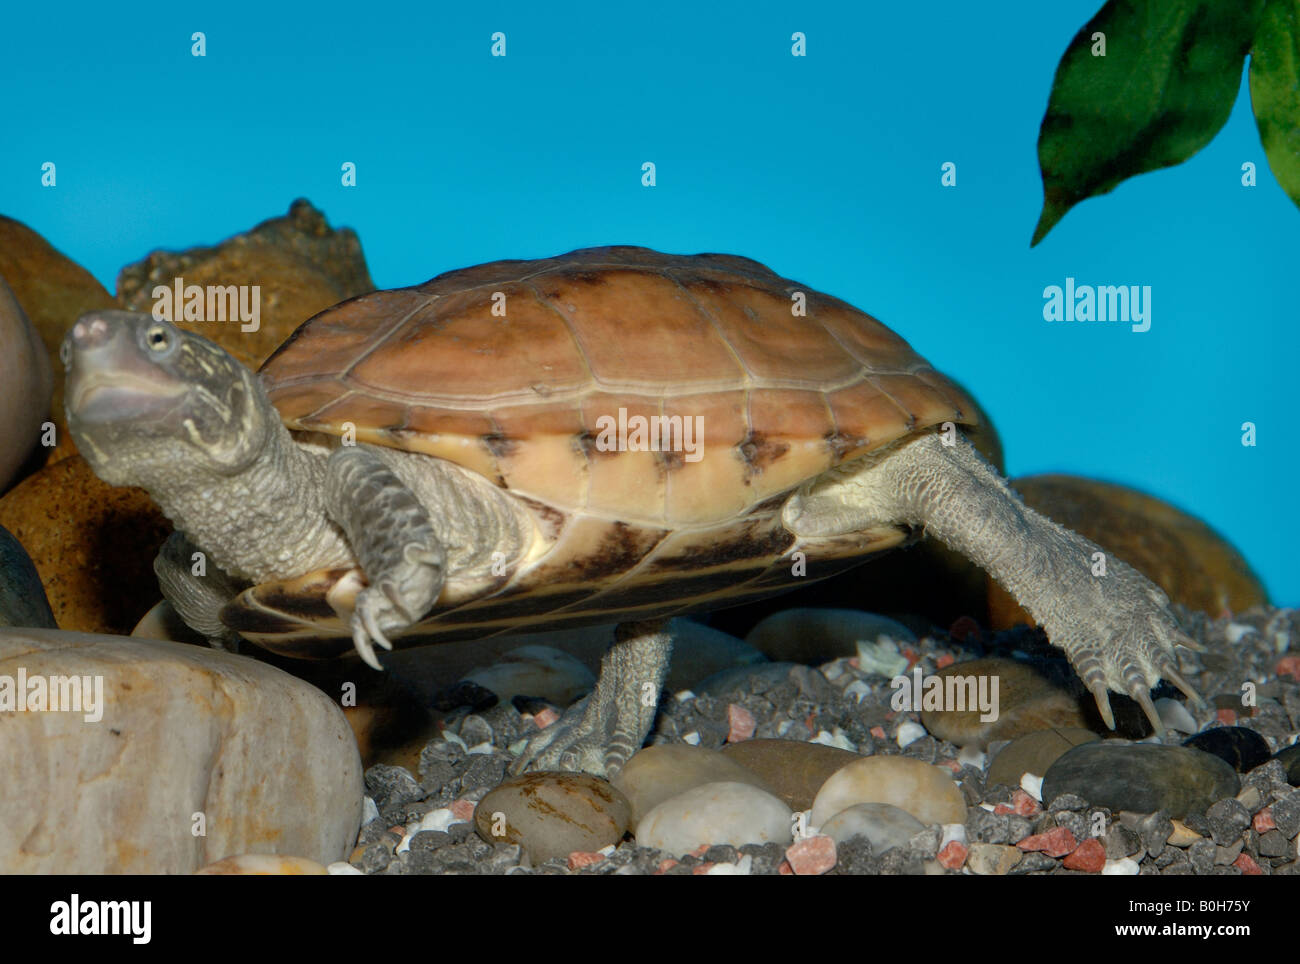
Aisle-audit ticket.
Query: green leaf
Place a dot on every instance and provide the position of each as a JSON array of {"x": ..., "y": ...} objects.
[
  {"x": 1162, "y": 91},
  {"x": 1275, "y": 90}
]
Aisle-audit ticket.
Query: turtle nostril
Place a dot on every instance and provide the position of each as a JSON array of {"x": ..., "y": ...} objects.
[{"x": 90, "y": 332}]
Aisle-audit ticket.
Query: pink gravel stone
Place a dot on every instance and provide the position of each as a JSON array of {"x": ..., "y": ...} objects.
[
  {"x": 953, "y": 855},
  {"x": 1024, "y": 805},
  {"x": 879, "y": 733},
  {"x": 545, "y": 718},
  {"x": 785, "y": 870},
  {"x": 1289, "y": 666},
  {"x": 944, "y": 660},
  {"x": 665, "y": 865},
  {"x": 1056, "y": 842},
  {"x": 583, "y": 858},
  {"x": 1226, "y": 717},
  {"x": 742, "y": 723},
  {"x": 811, "y": 856},
  {"x": 1089, "y": 856},
  {"x": 462, "y": 809},
  {"x": 1264, "y": 821},
  {"x": 1246, "y": 864}
]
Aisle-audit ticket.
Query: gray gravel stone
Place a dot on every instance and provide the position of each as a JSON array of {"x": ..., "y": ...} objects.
[
  {"x": 1286, "y": 814},
  {"x": 1154, "y": 830},
  {"x": 1227, "y": 821},
  {"x": 1201, "y": 855},
  {"x": 392, "y": 786}
]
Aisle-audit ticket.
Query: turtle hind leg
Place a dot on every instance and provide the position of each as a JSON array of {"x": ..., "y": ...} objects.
[
  {"x": 1113, "y": 623},
  {"x": 197, "y": 597},
  {"x": 599, "y": 733},
  {"x": 392, "y": 537}
]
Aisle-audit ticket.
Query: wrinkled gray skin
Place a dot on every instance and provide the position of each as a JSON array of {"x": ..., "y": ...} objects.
[
  {"x": 22, "y": 597},
  {"x": 153, "y": 406}
]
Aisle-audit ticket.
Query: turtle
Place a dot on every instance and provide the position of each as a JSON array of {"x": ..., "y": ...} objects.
[{"x": 613, "y": 435}]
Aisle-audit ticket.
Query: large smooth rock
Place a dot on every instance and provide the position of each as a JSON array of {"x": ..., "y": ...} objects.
[
  {"x": 301, "y": 265},
  {"x": 1034, "y": 753},
  {"x": 1177, "y": 551},
  {"x": 1141, "y": 777},
  {"x": 1240, "y": 747},
  {"x": 268, "y": 760},
  {"x": 93, "y": 545},
  {"x": 54, "y": 291},
  {"x": 884, "y": 825},
  {"x": 716, "y": 813},
  {"x": 927, "y": 792},
  {"x": 25, "y": 384},
  {"x": 22, "y": 597},
  {"x": 1026, "y": 701},
  {"x": 700, "y": 651},
  {"x": 553, "y": 814},
  {"x": 815, "y": 636},
  {"x": 792, "y": 769},
  {"x": 658, "y": 773}
]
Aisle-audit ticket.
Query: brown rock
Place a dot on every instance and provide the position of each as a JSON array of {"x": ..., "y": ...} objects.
[
  {"x": 927, "y": 792},
  {"x": 54, "y": 291},
  {"x": 1178, "y": 552},
  {"x": 24, "y": 387},
  {"x": 791, "y": 769},
  {"x": 300, "y": 263},
  {"x": 658, "y": 773},
  {"x": 1034, "y": 753},
  {"x": 553, "y": 814},
  {"x": 93, "y": 545},
  {"x": 1026, "y": 701}
]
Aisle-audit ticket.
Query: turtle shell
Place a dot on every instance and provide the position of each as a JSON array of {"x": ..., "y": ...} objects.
[{"x": 520, "y": 371}]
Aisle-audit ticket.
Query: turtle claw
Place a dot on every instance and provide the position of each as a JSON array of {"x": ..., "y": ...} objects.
[
  {"x": 366, "y": 630},
  {"x": 1188, "y": 690},
  {"x": 1143, "y": 698},
  {"x": 1102, "y": 695}
]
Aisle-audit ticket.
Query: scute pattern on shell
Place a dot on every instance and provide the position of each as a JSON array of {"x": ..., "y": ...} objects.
[{"x": 516, "y": 398}]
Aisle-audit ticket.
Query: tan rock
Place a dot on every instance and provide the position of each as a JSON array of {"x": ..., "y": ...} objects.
[
  {"x": 657, "y": 773},
  {"x": 792, "y": 769},
  {"x": 992, "y": 860},
  {"x": 553, "y": 814},
  {"x": 1177, "y": 551},
  {"x": 300, "y": 264},
  {"x": 264, "y": 865},
  {"x": 1183, "y": 835},
  {"x": 93, "y": 545},
  {"x": 715, "y": 813},
  {"x": 183, "y": 737},
  {"x": 1026, "y": 701},
  {"x": 1033, "y": 753},
  {"x": 54, "y": 291},
  {"x": 25, "y": 383},
  {"x": 927, "y": 792}
]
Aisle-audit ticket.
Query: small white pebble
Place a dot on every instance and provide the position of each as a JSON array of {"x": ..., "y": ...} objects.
[
  {"x": 341, "y": 868},
  {"x": 783, "y": 727},
  {"x": 739, "y": 869},
  {"x": 951, "y": 832},
  {"x": 1234, "y": 631},
  {"x": 837, "y": 739},
  {"x": 681, "y": 696},
  {"x": 454, "y": 738},
  {"x": 693, "y": 738},
  {"x": 1125, "y": 866},
  {"x": 480, "y": 748},
  {"x": 368, "y": 811},
  {"x": 834, "y": 670},
  {"x": 909, "y": 733},
  {"x": 1032, "y": 785},
  {"x": 881, "y": 658},
  {"x": 1282, "y": 642},
  {"x": 607, "y": 850},
  {"x": 857, "y": 690},
  {"x": 972, "y": 756}
]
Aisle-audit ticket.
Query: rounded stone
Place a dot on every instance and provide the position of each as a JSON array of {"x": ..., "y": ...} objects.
[
  {"x": 716, "y": 813},
  {"x": 658, "y": 773},
  {"x": 25, "y": 384},
  {"x": 1034, "y": 753},
  {"x": 1289, "y": 757},
  {"x": 815, "y": 636},
  {"x": 22, "y": 597},
  {"x": 794, "y": 770},
  {"x": 1025, "y": 701},
  {"x": 553, "y": 814},
  {"x": 539, "y": 671},
  {"x": 1141, "y": 777},
  {"x": 1241, "y": 748},
  {"x": 93, "y": 545},
  {"x": 1178, "y": 552},
  {"x": 883, "y": 825},
  {"x": 700, "y": 651},
  {"x": 927, "y": 792}
]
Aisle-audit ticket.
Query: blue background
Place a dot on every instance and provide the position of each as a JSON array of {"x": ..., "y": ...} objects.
[{"x": 826, "y": 168}]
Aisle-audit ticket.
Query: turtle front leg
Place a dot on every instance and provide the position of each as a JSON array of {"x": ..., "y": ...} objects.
[
  {"x": 394, "y": 542},
  {"x": 198, "y": 600},
  {"x": 1113, "y": 623},
  {"x": 599, "y": 733}
]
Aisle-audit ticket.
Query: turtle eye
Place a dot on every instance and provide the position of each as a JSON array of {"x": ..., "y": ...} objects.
[{"x": 158, "y": 338}]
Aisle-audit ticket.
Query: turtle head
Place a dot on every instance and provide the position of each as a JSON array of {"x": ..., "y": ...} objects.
[{"x": 147, "y": 402}]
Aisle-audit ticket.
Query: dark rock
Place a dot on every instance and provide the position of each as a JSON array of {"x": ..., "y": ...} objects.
[
  {"x": 1273, "y": 844},
  {"x": 1286, "y": 814},
  {"x": 1033, "y": 863},
  {"x": 1289, "y": 757},
  {"x": 1121, "y": 842},
  {"x": 22, "y": 597},
  {"x": 1227, "y": 820},
  {"x": 1201, "y": 855},
  {"x": 1154, "y": 830},
  {"x": 1241, "y": 748},
  {"x": 1067, "y": 801},
  {"x": 1141, "y": 777},
  {"x": 392, "y": 786}
]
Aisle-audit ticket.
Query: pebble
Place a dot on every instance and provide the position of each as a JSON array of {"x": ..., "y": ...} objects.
[
  {"x": 1089, "y": 857},
  {"x": 741, "y": 681},
  {"x": 1173, "y": 714},
  {"x": 1289, "y": 757},
  {"x": 1286, "y": 814},
  {"x": 1241, "y": 748},
  {"x": 811, "y": 856},
  {"x": 992, "y": 860},
  {"x": 553, "y": 814},
  {"x": 953, "y": 855},
  {"x": 1124, "y": 867},
  {"x": 909, "y": 733},
  {"x": 1034, "y": 753},
  {"x": 538, "y": 671},
  {"x": 816, "y": 636},
  {"x": 927, "y": 792},
  {"x": 658, "y": 773},
  {"x": 1182, "y": 835},
  {"x": 741, "y": 723},
  {"x": 25, "y": 385},
  {"x": 794, "y": 770},
  {"x": 22, "y": 597},
  {"x": 884, "y": 825},
  {"x": 180, "y": 730},
  {"x": 1025, "y": 702},
  {"x": 715, "y": 813},
  {"x": 265, "y": 865},
  {"x": 1056, "y": 842},
  {"x": 1141, "y": 777}
]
